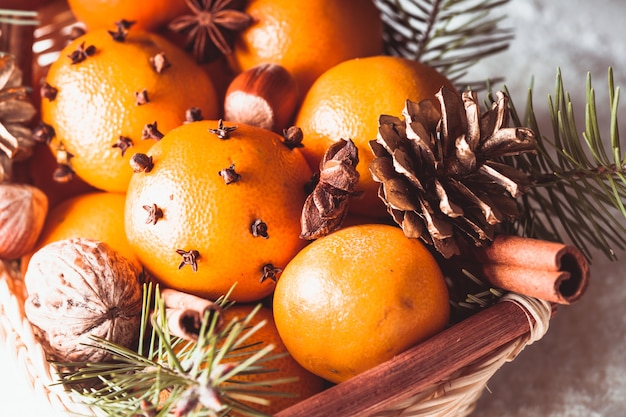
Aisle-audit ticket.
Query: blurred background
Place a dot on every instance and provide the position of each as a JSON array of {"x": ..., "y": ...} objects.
[{"x": 579, "y": 367}]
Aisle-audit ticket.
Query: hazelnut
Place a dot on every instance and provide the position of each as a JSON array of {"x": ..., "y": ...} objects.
[
  {"x": 23, "y": 210},
  {"x": 79, "y": 288},
  {"x": 265, "y": 96}
]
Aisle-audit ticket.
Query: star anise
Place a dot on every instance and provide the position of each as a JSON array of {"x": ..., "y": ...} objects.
[{"x": 212, "y": 27}]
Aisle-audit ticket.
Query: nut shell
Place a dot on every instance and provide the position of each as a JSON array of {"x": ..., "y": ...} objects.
[
  {"x": 77, "y": 288},
  {"x": 23, "y": 210},
  {"x": 264, "y": 96}
]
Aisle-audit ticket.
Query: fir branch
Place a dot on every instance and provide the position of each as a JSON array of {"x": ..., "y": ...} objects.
[
  {"x": 200, "y": 377},
  {"x": 578, "y": 180},
  {"x": 450, "y": 35}
]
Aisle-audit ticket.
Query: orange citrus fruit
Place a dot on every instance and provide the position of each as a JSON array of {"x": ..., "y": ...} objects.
[
  {"x": 228, "y": 209},
  {"x": 100, "y": 107},
  {"x": 308, "y": 37},
  {"x": 147, "y": 14},
  {"x": 345, "y": 103},
  {"x": 307, "y": 383},
  {"x": 356, "y": 297},
  {"x": 95, "y": 215}
]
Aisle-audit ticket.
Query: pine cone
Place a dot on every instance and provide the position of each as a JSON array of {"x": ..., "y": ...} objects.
[
  {"x": 438, "y": 174},
  {"x": 16, "y": 140}
]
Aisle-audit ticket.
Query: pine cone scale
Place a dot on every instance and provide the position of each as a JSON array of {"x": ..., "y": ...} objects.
[{"x": 437, "y": 174}]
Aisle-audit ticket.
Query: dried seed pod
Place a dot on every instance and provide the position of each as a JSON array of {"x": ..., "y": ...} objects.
[
  {"x": 327, "y": 206},
  {"x": 23, "y": 209},
  {"x": 81, "y": 287}
]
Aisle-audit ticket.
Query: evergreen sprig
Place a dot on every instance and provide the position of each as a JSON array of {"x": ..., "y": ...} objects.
[
  {"x": 198, "y": 376},
  {"x": 449, "y": 35},
  {"x": 578, "y": 177}
]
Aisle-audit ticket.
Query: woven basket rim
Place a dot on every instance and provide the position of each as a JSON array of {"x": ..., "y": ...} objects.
[{"x": 456, "y": 395}]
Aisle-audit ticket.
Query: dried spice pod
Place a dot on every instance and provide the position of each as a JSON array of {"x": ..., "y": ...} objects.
[
  {"x": 23, "y": 210},
  {"x": 78, "y": 288},
  {"x": 211, "y": 27},
  {"x": 327, "y": 206}
]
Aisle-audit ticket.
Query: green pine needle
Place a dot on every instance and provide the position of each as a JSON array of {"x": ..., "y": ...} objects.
[
  {"x": 200, "y": 374},
  {"x": 449, "y": 35},
  {"x": 578, "y": 177}
]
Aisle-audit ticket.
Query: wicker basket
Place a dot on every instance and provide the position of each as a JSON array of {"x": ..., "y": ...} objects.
[{"x": 443, "y": 376}]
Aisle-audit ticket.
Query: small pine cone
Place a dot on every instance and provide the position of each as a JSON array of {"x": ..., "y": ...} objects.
[
  {"x": 437, "y": 170},
  {"x": 16, "y": 111}
]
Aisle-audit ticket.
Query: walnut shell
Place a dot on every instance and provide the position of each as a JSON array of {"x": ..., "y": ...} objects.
[
  {"x": 23, "y": 210},
  {"x": 80, "y": 287}
]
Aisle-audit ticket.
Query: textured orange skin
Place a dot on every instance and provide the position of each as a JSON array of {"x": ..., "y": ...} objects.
[
  {"x": 357, "y": 297},
  {"x": 95, "y": 103},
  {"x": 201, "y": 212},
  {"x": 346, "y": 102},
  {"x": 148, "y": 14},
  {"x": 308, "y": 37},
  {"x": 94, "y": 215}
]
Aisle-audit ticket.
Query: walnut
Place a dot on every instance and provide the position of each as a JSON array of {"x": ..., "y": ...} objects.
[{"x": 80, "y": 287}]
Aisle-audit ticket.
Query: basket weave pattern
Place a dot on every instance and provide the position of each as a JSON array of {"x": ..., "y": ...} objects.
[{"x": 456, "y": 395}]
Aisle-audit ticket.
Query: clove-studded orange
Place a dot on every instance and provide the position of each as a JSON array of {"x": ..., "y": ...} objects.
[
  {"x": 212, "y": 205},
  {"x": 107, "y": 96}
]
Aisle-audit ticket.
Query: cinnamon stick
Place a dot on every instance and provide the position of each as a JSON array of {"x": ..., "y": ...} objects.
[
  {"x": 185, "y": 313},
  {"x": 419, "y": 367},
  {"x": 550, "y": 271}
]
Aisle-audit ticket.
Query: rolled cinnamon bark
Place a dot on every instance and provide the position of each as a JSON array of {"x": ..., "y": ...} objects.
[
  {"x": 550, "y": 271},
  {"x": 185, "y": 312}
]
